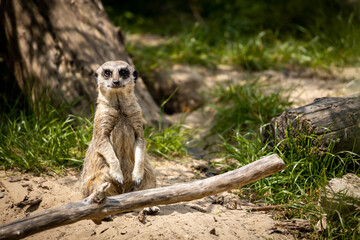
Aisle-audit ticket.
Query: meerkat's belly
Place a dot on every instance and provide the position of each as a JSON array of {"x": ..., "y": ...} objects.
[{"x": 123, "y": 142}]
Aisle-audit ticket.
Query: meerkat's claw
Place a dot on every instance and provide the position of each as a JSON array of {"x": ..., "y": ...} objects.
[
  {"x": 137, "y": 178},
  {"x": 137, "y": 181},
  {"x": 118, "y": 177}
]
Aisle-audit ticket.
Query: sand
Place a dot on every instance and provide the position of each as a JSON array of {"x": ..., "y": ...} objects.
[{"x": 198, "y": 219}]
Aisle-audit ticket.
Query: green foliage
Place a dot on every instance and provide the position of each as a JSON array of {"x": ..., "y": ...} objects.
[
  {"x": 299, "y": 185},
  {"x": 306, "y": 170},
  {"x": 245, "y": 106},
  {"x": 254, "y": 35},
  {"x": 168, "y": 142},
  {"x": 342, "y": 226},
  {"x": 45, "y": 139},
  {"x": 42, "y": 138}
]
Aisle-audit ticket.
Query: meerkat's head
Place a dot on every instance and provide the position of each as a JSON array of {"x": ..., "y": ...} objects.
[{"x": 115, "y": 76}]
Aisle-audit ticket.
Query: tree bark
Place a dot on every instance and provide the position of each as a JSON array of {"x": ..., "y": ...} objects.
[
  {"x": 97, "y": 206},
  {"x": 335, "y": 119},
  {"x": 56, "y": 46}
]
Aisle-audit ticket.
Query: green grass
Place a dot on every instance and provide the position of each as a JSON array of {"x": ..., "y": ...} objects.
[
  {"x": 259, "y": 52},
  {"x": 246, "y": 106},
  {"x": 299, "y": 185},
  {"x": 43, "y": 140},
  {"x": 306, "y": 171},
  {"x": 168, "y": 142},
  {"x": 342, "y": 226},
  {"x": 254, "y": 36}
]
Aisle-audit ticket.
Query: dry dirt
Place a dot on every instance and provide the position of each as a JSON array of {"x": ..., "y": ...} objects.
[{"x": 198, "y": 219}]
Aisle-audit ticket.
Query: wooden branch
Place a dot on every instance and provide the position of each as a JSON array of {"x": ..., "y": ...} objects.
[
  {"x": 96, "y": 206},
  {"x": 27, "y": 202}
]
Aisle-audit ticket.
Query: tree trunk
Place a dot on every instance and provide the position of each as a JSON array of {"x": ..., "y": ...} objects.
[
  {"x": 56, "y": 46},
  {"x": 335, "y": 119},
  {"x": 97, "y": 206}
]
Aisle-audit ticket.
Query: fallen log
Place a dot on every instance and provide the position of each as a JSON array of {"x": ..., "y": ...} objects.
[
  {"x": 335, "y": 119},
  {"x": 97, "y": 206}
]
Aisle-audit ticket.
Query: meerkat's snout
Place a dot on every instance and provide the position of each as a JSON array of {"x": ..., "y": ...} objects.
[{"x": 116, "y": 82}]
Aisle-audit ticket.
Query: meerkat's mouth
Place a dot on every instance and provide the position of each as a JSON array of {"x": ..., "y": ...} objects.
[{"x": 116, "y": 86}]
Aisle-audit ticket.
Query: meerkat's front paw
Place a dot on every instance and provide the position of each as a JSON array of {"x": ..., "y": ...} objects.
[
  {"x": 137, "y": 178},
  {"x": 117, "y": 176}
]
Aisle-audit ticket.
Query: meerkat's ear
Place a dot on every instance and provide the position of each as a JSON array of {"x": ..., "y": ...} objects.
[
  {"x": 96, "y": 78},
  {"x": 135, "y": 75}
]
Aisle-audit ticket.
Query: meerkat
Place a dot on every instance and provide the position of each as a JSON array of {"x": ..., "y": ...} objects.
[{"x": 116, "y": 153}]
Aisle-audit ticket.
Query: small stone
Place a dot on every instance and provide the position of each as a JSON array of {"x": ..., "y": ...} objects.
[
  {"x": 213, "y": 232},
  {"x": 2, "y": 195},
  {"x": 44, "y": 187},
  {"x": 15, "y": 179}
]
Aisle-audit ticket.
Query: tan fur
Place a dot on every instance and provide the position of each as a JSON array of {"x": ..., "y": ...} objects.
[{"x": 116, "y": 153}]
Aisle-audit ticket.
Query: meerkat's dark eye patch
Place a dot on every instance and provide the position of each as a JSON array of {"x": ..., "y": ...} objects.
[
  {"x": 124, "y": 73},
  {"x": 135, "y": 75},
  {"x": 107, "y": 73}
]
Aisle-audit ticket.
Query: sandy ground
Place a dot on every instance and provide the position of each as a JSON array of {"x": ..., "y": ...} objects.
[{"x": 198, "y": 219}]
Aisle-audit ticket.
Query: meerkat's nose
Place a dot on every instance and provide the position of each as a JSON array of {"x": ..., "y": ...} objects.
[{"x": 116, "y": 82}]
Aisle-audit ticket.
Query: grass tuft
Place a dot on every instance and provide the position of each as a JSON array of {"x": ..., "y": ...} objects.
[
  {"x": 248, "y": 34},
  {"x": 299, "y": 185},
  {"x": 45, "y": 138},
  {"x": 245, "y": 107},
  {"x": 42, "y": 140},
  {"x": 169, "y": 142}
]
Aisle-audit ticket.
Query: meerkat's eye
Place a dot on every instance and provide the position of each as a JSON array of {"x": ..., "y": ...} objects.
[
  {"x": 107, "y": 73},
  {"x": 124, "y": 73}
]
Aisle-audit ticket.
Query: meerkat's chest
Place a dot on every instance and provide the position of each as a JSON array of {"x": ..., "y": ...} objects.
[{"x": 123, "y": 136}]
